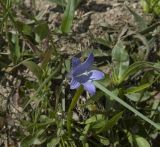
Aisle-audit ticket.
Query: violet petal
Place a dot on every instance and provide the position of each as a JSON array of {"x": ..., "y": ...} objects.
[
  {"x": 96, "y": 75},
  {"x": 89, "y": 86},
  {"x": 75, "y": 62},
  {"x": 84, "y": 66},
  {"x": 74, "y": 84}
]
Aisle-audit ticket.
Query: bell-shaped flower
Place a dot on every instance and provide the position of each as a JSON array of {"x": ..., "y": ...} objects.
[{"x": 84, "y": 74}]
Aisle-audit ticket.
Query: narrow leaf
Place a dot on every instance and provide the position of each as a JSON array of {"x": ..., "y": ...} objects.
[
  {"x": 133, "y": 68},
  {"x": 68, "y": 16},
  {"x": 120, "y": 59},
  {"x": 104, "y": 125},
  {"x": 141, "y": 23},
  {"x": 138, "y": 88}
]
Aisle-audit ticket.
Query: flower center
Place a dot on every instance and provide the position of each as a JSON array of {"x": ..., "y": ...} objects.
[{"x": 86, "y": 73}]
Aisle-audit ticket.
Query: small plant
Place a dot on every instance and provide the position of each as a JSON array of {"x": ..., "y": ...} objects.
[
  {"x": 50, "y": 97},
  {"x": 151, "y": 6}
]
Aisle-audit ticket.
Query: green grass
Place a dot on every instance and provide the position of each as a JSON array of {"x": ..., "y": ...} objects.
[{"x": 38, "y": 108}]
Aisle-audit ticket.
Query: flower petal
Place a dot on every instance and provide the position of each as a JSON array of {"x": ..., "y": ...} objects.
[
  {"x": 89, "y": 86},
  {"x": 84, "y": 66},
  {"x": 74, "y": 84},
  {"x": 75, "y": 62},
  {"x": 96, "y": 75}
]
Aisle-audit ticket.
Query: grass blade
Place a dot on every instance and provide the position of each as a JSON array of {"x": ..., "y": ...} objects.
[{"x": 68, "y": 16}]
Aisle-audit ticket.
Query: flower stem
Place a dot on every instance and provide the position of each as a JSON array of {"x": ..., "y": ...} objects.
[{"x": 72, "y": 105}]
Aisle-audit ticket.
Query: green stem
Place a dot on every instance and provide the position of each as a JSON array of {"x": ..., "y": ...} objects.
[
  {"x": 109, "y": 93},
  {"x": 72, "y": 105}
]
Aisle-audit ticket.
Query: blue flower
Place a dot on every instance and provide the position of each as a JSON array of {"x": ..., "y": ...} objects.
[{"x": 84, "y": 74}]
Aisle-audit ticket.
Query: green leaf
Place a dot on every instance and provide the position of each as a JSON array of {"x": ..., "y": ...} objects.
[
  {"x": 133, "y": 68},
  {"x": 84, "y": 134},
  {"x": 68, "y": 16},
  {"x": 141, "y": 23},
  {"x": 123, "y": 103},
  {"x": 104, "y": 124},
  {"x": 141, "y": 142},
  {"x": 27, "y": 30},
  {"x": 155, "y": 106},
  {"x": 41, "y": 31},
  {"x": 120, "y": 59},
  {"x": 151, "y": 6},
  {"x": 54, "y": 142},
  {"x": 104, "y": 42},
  {"x": 17, "y": 49},
  {"x": 150, "y": 28},
  {"x": 138, "y": 97},
  {"x": 142, "y": 38},
  {"x": 33, "y": 139},
  {"x": 34, "y": 68},
  {"x": 67, "y": 65},
  {"x": 94, "y": 118},
  {"x": 146, "y": 5},
  {"x": 113, "y": 120},
  {"x": 103, "y": 140},
  {"x": 138, "y": 88}
]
